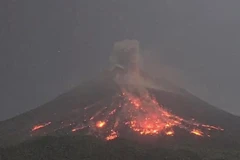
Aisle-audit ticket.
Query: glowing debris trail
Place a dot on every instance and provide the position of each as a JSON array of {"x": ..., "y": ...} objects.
[
  {"x": 78, "y": 128},
  {"x": 37, "y": 127},
  {"x": 112, "y": 136},
  {"x": 197, "y": 132}
]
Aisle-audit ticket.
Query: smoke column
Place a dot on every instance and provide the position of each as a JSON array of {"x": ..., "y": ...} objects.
[{"x": 126, "y": 54}]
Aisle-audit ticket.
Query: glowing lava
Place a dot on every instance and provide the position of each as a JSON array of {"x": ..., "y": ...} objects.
[
  {"x": 100, "y": 124},
  {"x": 197, "y": 132},
  {"x": 169, "y": 133},
  {"x": 37, "y": 127},
  {"x": 147, "y": 126},
  {"x": 78, "y": 128},
  {"x": 112, "y": 136},
  {"x": 140, "y": 113}
]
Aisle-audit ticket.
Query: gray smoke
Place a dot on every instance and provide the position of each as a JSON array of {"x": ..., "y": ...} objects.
[
  {"x": 126, "y": 56},
  {"x": 126, "y": 53}
]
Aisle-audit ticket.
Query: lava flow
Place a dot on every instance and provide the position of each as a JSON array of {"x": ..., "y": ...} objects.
[
  {"x": 148, "y": 118},
  {"x": 142, "y": 114}
]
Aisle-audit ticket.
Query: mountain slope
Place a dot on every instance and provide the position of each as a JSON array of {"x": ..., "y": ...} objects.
[{"x": 65, "y": 112}]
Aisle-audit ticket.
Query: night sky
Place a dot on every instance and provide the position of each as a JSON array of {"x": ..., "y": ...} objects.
[{"x": 49, "y": 46}]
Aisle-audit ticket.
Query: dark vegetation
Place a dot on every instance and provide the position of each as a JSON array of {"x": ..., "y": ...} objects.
[
  {"x": 91, "y": 148},
  {"x": 86, "y": 147}
]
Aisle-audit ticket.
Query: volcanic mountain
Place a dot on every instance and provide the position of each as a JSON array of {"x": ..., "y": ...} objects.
[
  {"x": 94, "y": 108},
  {"x": 124, "y": 101}
]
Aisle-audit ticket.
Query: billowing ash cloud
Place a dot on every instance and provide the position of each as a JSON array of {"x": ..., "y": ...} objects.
[{"x": 126, "y": 54}]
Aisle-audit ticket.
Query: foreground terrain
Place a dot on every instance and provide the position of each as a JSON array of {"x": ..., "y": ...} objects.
[{"x": 91, "y": 148}]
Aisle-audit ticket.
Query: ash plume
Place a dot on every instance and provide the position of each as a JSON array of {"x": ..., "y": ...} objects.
[
  {"x": 142, "y": 71},
  {"x": 126, "y": 55}
]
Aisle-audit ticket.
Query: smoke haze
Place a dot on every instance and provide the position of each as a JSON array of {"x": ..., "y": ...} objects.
[
  {"x": 47, "y": 47},
  {"x": 140, "y": 74}
]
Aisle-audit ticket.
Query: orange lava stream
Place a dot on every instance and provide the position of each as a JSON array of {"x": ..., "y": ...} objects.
[
  {"x": 112, "y": 136},
  {"x": 77, "y": 128},
  {"x": 141, "y": 113},
  {"x": 37, "y": 127},
  {"x": 148, "y": 118},
  {"x": 212, "y": 127},
  {"x": 197, "y": 132}
]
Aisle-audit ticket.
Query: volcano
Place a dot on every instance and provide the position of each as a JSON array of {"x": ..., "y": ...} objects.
[{"x": 124, "y": 101}]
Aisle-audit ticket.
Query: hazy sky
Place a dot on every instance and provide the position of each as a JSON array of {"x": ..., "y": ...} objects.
[{"x": 47, "y": 47}]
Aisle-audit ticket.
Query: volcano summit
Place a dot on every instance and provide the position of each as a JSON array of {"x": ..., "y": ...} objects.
[{"x": 124, "y": 101}]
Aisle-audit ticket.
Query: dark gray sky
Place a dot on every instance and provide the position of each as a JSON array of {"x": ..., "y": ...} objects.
[{"x": 47, "y": 47}]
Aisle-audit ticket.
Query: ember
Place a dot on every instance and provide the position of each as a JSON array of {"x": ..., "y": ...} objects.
[
  {"x": 169, "y": 133},
  {"x": 197, "y": 132},
  {"x": 112, "y": 136},
  {"x": 77, "y": 128},
  {"x": 100, "y": 124}
]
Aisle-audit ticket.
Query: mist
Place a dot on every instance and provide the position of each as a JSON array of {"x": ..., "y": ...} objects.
[{"x": 49, "y": 47}]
